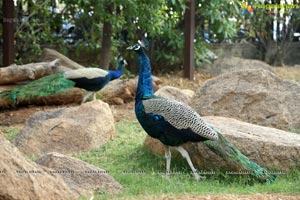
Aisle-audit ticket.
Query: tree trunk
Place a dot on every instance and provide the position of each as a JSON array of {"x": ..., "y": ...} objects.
[
  {"x": 106, "y": 45},
  {"x": 8, "y": 32},
  {"x": 50, "y": 54},
  {"x": 32, "y": 71}
]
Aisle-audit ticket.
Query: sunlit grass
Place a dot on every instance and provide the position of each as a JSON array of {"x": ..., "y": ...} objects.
[
  {"x": 288, "y": 73},
  {"x": 10, "y": 132},
  {"x": 296, "y": 131},
  {"x": 141, "y": 172}
]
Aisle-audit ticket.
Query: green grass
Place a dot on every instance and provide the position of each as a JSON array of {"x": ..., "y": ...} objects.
[
  {"x": 10, "y": 132},
  {"x": 126, "y": 153},
  {"x": 296, "y": 131}
]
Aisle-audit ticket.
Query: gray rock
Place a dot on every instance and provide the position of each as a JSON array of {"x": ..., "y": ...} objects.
[
  {"x": 121, "y": 91},
  {"x": 255, "y": 96},
  {"x": 81, "y": 177},
  {"x": 22, "y": 179},
  {"x": 268, "y": 147},
  {"x": 232, "y": 64},
  {"x": 183, "y": 96},
  {"x": 67, "y": 130}
]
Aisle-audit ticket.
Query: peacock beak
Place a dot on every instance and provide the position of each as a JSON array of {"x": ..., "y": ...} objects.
[{"x": 130, "y": 47}]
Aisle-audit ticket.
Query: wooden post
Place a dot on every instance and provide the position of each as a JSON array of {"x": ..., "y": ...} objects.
[
  {"x": 189, "y": 35},
  {"x": 8, "y": 32}
]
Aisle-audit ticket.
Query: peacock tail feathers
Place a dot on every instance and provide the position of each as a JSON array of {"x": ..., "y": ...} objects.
[
  {"x": 231, "y": 154},
  {"x": 39, "y": 88}
]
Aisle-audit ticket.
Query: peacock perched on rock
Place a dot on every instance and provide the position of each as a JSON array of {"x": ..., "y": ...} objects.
[
  {"x": 90, "y": 79},
  {"x": 174, "y": 123}
]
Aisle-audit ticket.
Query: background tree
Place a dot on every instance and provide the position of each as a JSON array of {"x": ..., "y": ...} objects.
[
  {"x": 273, "y": 43},
  {"x": 167, "y": 38},
  {"x": 35, "y": 27},
  {"x": 105, "y": 27}
]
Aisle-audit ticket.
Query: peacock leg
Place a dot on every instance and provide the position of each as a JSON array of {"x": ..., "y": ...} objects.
[
  {"x": 185, "y": 154},
  {"x": 168, "y": 159},
  {"x": 94, "y": 97},
  {"x": 86, "y": 97}
]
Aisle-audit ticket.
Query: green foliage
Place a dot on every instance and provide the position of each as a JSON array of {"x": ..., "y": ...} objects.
[
  {"x": 260, "y": 25},
  {"x": 162, "y": 20},
  {"x": 142, "y": 173},
  {"x": 211, "y": 16},
  {"x": 35, "y": 28},
  {"x": 218, "y": 14}
]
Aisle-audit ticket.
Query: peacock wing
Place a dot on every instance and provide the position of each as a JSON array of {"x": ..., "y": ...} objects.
[
  {"x": 179, "y": 115},
  {"x": 89, "y": 73}
]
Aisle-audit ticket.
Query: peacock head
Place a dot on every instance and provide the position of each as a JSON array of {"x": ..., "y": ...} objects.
[
  {"x": 140, "y": 45},
  {"x": 122, "y": 61}
]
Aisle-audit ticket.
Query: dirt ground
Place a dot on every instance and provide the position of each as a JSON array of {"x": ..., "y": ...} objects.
[{"x": 17, "y": 117}]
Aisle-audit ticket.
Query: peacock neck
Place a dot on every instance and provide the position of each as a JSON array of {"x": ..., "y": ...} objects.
[
  {"x": 145, "y": 87},
  {"x": 114, "y": 74},
  {"x": 120, "y": 66}
]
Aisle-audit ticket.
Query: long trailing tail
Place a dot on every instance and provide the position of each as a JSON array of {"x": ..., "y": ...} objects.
[
  {"x": 42, "y": 87},
  {"x": 231, "y": 154}
]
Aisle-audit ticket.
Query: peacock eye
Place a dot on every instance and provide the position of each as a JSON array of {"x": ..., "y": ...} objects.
[{"x": 137, "y": 47}]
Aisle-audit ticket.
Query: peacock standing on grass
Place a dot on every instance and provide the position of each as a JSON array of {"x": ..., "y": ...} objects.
[
  {"x": 90, "y": 79},
  {"x": 174, "y": 123}
]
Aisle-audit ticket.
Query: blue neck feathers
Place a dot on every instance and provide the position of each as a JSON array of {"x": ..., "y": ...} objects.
[
  {"x": 114, "y": 74},
  {"x": 145, "y": 87}
]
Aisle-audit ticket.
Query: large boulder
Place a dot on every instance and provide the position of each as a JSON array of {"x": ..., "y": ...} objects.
[
  {"x": 231, "y": 64},
  {"x": 269, "y": 147},
  {"x": 22, "y": 179},
  {"x": 255, "y": 96},
  {"x": 67, "y": 130},
  {"x": 183, "y": 96},
  {"x": 121, "y": 91},
  {"x": 82, "y": 178}
]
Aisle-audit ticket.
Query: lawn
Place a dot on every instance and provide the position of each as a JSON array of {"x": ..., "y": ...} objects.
[{"x": 141, "y": 172}]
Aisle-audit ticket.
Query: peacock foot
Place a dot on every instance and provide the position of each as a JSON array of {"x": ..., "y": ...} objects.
[
  {"x": 168, "y": 173},
  {"x": 197, "y": 176}
]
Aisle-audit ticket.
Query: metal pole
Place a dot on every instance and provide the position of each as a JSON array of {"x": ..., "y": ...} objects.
[
  {"x": 8, "y": 32},
  {"x": 189, "y": 35}
]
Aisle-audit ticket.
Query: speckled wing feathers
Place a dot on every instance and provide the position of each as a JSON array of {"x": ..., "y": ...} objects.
[
  {"x": 89, "y": 73},
  {"x": 179, "y": 115}
]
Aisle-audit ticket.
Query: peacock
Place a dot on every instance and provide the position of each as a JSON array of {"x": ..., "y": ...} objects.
[
  {"x": 174, "y": 123},
  {"x": 90, "y": 79},
  {"x": 94, "y": 79}
]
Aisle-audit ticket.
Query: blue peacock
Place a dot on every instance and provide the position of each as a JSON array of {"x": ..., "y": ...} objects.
[
  {"x": 90, "y": 79},
  {"x": 94, "y": 79},
  {"x": 174, "y": 123}
]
